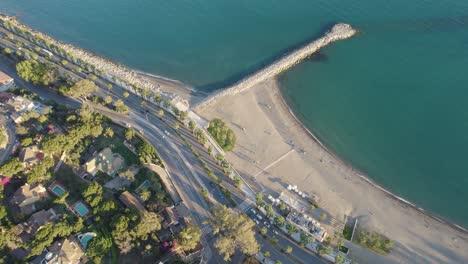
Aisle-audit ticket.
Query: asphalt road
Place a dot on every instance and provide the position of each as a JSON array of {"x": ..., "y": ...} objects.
[{"x": 187, "y": 173}]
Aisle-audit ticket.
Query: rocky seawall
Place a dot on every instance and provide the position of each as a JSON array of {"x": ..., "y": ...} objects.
[
  {"x": 339, "y": 31},
  {"x": 107, "y": 69}
]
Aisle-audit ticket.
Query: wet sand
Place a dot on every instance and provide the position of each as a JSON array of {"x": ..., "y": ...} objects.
[{"x": 275, "y": 149}]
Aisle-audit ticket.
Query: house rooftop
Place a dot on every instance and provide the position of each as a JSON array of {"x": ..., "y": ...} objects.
[
  {"x": 27, "y": 229},
  {"x": 27, "y": 195},
  {"x": 4, "y": 78},
  {"x": 31, "y": 154},
  {"x": 66, "y": 250},
  {"x": 105, "y": 161}
]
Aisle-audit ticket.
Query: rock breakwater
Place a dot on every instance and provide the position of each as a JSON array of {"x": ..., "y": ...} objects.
[{"x": 339, "y": 31}]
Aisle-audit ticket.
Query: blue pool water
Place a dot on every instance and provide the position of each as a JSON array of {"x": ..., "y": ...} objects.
[
  {"x": 81, "y": 209},
  {"x": 84, "y": 240},
  {"x": 58, "y": 190},
  {"x": 391, "y": 101}
]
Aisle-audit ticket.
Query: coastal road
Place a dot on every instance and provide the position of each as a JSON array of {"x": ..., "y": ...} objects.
[{"x": 186, "y": 171}]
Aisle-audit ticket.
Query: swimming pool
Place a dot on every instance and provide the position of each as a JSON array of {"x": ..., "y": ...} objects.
[
  {"x": 85, "y": 238},
  {"x": 146, "y": 184},
  {"x": 58, "y": 190},
  {"x": 81, "y": 209}
]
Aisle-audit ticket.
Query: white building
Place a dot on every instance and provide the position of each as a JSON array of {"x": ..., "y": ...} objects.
[{"x": 6, "y": 82}]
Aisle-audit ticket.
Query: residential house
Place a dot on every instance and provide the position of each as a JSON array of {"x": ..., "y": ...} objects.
[
  {"x": 26, "y": 230},
  {"x": 170, "y": 217},
  {"x": 105, "y": 161},
  {"x": 31, "y": 155},
  {"x": 6, "y": 82},
  {"x": 67, "y": 250},
  {"x": 19, "y": 104},
  {"x": 26, "y": 196},
  {"x": 132, "y": 202}
]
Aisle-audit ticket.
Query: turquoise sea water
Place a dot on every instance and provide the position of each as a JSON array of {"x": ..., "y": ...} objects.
[{"x": 390, "y": 101}]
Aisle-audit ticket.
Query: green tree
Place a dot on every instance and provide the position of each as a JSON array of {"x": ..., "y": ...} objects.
[
  {"x": 222, "y": 134},
  {"x": 269, "y": 210},
  {"x": 158, "y": 98},
  {"x": 263, "y": 230},
  {"x": 189, "y": 237},
  {"x": 93, "y": 194},
  {"x": 98, "y": 247},
  {"x": 176, "y": 126},
  {"x": 192, "y": 125},
  {"x": 82, "y": 88},
  {"x": 126, "y": 94},
  {"x": 259, "y": 200},
  {"x": 339, "y": 259},
  {"x": 36, "y": 72},
  {"x": 108, "y": 132},
  {"x": 120, "y": 107},
  {"x": 40, "y": 172},
  {"x": 7, "y": 50},
  {"x": 279, "y": 221},
  {"x": 108, "y": 100},
  {"x": 145, "y": 195},
  {"x": 62, "y": 199},
  {"x": 149, "y": 222},
  {"x": 160, "y": 112},
  {"x": 26, "y": 142},
  {"x": 266, "y": 254},
  {"x": 235, "y": 231},
  {"x": 288, "y": 249},
  {"x": 11, "y": 167},
  {"x": 237, "y": 181},
  {"x": 129, "y": 133}
]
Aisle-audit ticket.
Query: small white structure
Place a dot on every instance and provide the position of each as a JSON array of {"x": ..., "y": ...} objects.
[{"x": 6, "y": 82}]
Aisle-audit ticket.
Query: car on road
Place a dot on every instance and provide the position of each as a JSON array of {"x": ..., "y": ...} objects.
[
  {"x": 167, "y": 133},
  {"x": 259, "y": 217},
  {"x": 253, "y": 211},
  {"x": 256, "y": 221},
  {"x": 275, "y": 232},
  {"x": 267, "y": 224}
]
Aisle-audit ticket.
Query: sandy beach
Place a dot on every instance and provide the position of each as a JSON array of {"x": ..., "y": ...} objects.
[{"x": 276, "y": 150}]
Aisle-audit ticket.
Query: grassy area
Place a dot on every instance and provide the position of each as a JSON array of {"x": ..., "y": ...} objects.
[
  {"x": 347, "y": 232},
  {"x": 374, "y": 241},
  {"x": 130, "y": 157}
]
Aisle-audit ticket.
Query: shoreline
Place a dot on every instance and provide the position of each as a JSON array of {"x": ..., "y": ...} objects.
[
  {"x": 267, "y": 128},
  {"x": 288, "y": 111},
  {"x": 363, "y": 175}
]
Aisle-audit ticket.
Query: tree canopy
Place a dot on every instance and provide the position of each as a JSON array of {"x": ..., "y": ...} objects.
[
  {"x": 36, "y": 72},
  {"x": 82, "y": 88},
  {"x": 235, "y": 231},
  {"x": 222, "y": 134},
  {"x": 189, "y": 237}
]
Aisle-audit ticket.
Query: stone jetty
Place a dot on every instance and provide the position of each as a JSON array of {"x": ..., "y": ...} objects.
[{"x": 339, "y": 31}]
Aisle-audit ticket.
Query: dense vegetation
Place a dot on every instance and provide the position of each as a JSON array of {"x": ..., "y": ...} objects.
[
  {"x": 375, "y": 241},
  {"x": 36, "y": 72},
  {"x": 222, "y": 134},
  {"x": 235, "y": 231}
]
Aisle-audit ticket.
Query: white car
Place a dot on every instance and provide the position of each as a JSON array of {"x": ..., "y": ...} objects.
[
  {"x": 256, "y": 221},
  {"x": 253, "y": 211},
  {"x": 275, "y": 232},
  {"x": 259, "y": 217}
]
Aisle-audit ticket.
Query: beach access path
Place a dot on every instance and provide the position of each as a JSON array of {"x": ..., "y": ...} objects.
[{"x": 266, "y": 130}]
